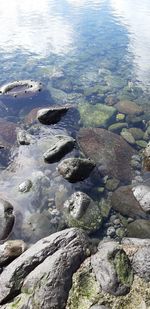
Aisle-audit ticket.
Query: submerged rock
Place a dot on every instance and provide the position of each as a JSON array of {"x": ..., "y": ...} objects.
[
  {"x": 42, "y": 275},
  {"x": 60, "y": 146},
  {"x": 6, "y": 219},
  {"x": 109, "y": 151},
  {"x": 25, "y": 186},
  {"x": 112, "y": 269},
  {"x": 147, "y": 157},
  {"x": 52, "y": 114},
  {"x": 129, "y": 108},
  {"x": 76, "y": 169},
  {"x": 82, "y": 212},
  {"x": 10, "y": 250},
  {"x": 8, "y": 133},
  {"x": 98, "y": 115}
]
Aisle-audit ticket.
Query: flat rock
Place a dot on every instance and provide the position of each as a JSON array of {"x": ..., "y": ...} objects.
[
  {"x": 112, "y": 268},
  {"x": 109, "y": 151},
  {"x": 76, "y": 169},
  {"x": 6, "y": 218},
  {"x": 52, "y": 114},
  {"x": 60, "y": 146},
  {"x": 42, "y": 275},
  {"x": 124, "y": 201},
  {"x": 82, "y": 212},
  {"x": 129, "y": 108}
]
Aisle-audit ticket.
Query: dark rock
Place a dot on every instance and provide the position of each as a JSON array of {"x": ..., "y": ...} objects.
[
  {"x": 10, "y": 250},
  {"x": 75, "y": 169},
  {"x": 139, "y": 228},
  {"x": 110, "y": 152},
  {"x": 52, "y": 114},
  {"x": 42, "y": 275},
  {"x": 6, "y": 219},
  {"x": 125, "y": 203},
  {"x": 112, "y": 269},
  {"x": 60, "y": 146},
  {"x": 81, "y": 211}
]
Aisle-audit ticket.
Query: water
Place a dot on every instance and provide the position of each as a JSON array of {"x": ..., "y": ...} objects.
[{"x": 69, "y": 46}]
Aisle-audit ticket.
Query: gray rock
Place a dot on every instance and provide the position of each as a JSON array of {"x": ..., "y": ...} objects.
[
  {"x": 139, "y": 228},
  {"x": 25, "y": 186},
  {"x": 111, "y": 231},
  {"x": 76, "y": 169},
  {"x": 52, "y": 114},
  {"x": 10, "y": 250},
  {"x": 112, "y": 268},
  {"x": 23, "y": 137},
  {"x": 81, "y": 211},
  {"x": 141, "y": 263},
  {"x": 142, "y": 195},
  {"x": 42, "y": 275},
  {"x": 59, "y": 148},
  {"x": 6, "y": 219},
  {"x": 147, "y": 157}
]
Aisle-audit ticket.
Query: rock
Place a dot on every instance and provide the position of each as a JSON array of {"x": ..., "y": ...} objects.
[
  {"x": 120, "y": 117},
  {"x": 98, "y": 115},
  {"x": 137, "y": 133},
  {"x": 111, "y": 231},
  {"x": 10, "y": 250},
  {"x": 75, "y": 169},
  {"x": 25, "y": 186},
  {"x": 99, "y": 307},
  {"x": 117, "y": 127},
  {"x": 124, "y": 201},
  {"x": 23, "y": 137},
  {"x": 147, "y": 157},
  {"x": 52, "y": 114},
  {"x": 128, "y": 136},
  {"x": 141, "y": 144},
  {"x": 141, "y": 263},
  {"x": 112, "y": 184},
  {"x": 42, "y": 275},
  {"x": 60, "y": 146},
  {"x": 6, "y": 219},
  {"x": 109, "y": 151},
  {"x": 139, "y": 228},
  {"x": 112, "y": 269},
  {"x": 142, "y": 195},
  {"x": 82, "y": 212},
  {"x": 31, "y": 117},
  {"x": 8, "y": 133},
  {"x": 129, "y": 108},
  {"x": 20, "y": 88}
]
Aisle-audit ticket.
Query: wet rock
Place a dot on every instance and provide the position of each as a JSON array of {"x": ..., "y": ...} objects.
[
  {"x": 129, "y": 108},
  {"x": 142, "y": 195},
  {"x": 42, "y": 275},
  {"x": 111, "y": 231},
  {"x": 124, "y": 201},
  {"x": 10, "y": 250},
  {"x": 137, "y": 133},
  {"x": 82, "y": 212},
  {"x": 76, "y": 169},
  {"x": 60, "y": 146},
  {"x": 147, "y": 157},
  {"x": 31, "y": 117},
  {"x": 117, "y": 127},
  {"x": 128, "y": 136},
  {"x": 25, "y": 186},
  {"x": 6, "y": 219},
  {"x": 21, "y": 88},
  {"x": 120, "y": 117},
  {"x": 52, "y": 114},
  {"x": 8, "y": 133},
  {"x": 109, "y": 151},
  {"x": 141, "y": 263},
  {"x": 98, "y": 115},
  {"x": 139, "y": 228},
  {"x": 24, "y": 138},
  {"x": 141, "y": 144},
  {"x": 112, "y": 184},
  {"x": 112, "y": 269}
]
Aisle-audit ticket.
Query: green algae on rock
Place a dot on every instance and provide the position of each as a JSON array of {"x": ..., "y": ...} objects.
[{"x": 98, "y": 115}]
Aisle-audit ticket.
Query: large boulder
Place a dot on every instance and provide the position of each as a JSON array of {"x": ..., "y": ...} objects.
[
  {"x": 6, "y": 218},
  {"x": 110, "y": 152},
  {"x": 42, "y": 275},
  {"x": 81, "y": 211},
  {"x": 125, "y": 202},
  {"x": 112, "y": 268},
  {"x": 75, "y": 169}
]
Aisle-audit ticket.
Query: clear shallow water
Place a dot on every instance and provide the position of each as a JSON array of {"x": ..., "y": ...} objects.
[{"x": 70, "y": 46}]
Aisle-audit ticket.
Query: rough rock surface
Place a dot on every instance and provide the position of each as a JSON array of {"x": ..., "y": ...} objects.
[
  {"x": 141, "y": 263},
  {"x": 6, "y": 218},
  {"x": 8, "y": 133},
  {"x": 112, "y": 269},
  {"x": 139, "y": 228},
  {"x": 10, "y": 250},
  {"x": 129, "y": 108},
  {"x": 124, "y": 201},
  {"x": 44, "y": 271},
  {"x": 110, "y": 152},
  {"x": 142, "y": 195},
  {"x": 147, "y": 157},
  {"x": 61, "y": 145},
  {"x": 81, "y": 211},
  {"x": 52, "y": 114}
]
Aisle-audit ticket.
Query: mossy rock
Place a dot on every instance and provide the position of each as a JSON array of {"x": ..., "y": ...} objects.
[{"x": 98, "y": 115}]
